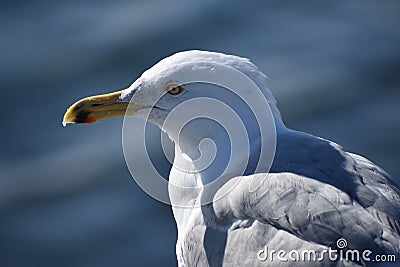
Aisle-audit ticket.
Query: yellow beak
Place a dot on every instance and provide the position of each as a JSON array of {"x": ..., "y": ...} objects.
[{"x": 95, "y": 108}]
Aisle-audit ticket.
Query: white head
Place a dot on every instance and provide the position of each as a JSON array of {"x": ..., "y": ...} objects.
[
  {"x": 157, "y": 81},
  {"x": 181, "y": 92}
]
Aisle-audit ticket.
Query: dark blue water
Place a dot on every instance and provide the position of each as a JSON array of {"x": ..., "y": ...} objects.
[{"x": 66, "y": 196}]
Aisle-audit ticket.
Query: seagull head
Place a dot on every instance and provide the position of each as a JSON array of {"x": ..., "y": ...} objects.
[
  {"x": 216, "y": 108},
  {"x": 171, "y": 82}
]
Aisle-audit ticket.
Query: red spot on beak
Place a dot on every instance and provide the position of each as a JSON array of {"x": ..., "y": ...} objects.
[{"x": 90, "y": 120}]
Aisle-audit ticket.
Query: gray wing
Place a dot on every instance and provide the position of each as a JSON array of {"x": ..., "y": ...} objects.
[
  {"x": 384, "y": 202},
  {"x": 346, "y": 197},
  {"x": 311, "y": 211}
]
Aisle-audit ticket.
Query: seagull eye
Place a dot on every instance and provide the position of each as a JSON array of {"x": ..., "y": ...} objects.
[{"x": 174, "y": 89}]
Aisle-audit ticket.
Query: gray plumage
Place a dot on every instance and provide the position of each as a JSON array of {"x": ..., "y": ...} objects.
[{"x": 315, "y": 194}]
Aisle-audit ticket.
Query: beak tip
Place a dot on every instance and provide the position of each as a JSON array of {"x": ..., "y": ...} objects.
[
  {"x": 68, "y": 118},
  {"x": 65, "y": 122}
]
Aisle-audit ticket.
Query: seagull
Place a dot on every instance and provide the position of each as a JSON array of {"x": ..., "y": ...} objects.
[{"x": 310, "y": 204}]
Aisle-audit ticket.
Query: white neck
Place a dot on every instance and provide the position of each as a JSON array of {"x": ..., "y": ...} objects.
[{"x": 195, "y": 147}]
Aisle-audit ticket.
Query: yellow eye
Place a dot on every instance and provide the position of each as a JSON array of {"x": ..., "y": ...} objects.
[{"x": 174, "y": 89}]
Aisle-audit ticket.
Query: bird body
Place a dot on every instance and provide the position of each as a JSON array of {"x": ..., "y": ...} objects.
[
  {"x": 301, "y": 206},
  {"x": 311, "y": 195}
]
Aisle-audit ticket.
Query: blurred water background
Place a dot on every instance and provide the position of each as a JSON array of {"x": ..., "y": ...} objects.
[{"x": 66, "y": 196}]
